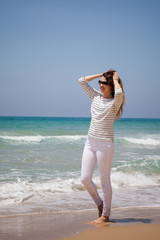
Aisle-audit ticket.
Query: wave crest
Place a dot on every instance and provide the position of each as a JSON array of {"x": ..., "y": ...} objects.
[
  {"x": 21, "y": 191},
  {"x": 39, "y": 138},
  {"x": 142, "y": 141}
]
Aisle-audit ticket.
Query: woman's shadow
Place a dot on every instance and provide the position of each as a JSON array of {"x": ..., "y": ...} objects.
[{"x": 132, "y": 220}]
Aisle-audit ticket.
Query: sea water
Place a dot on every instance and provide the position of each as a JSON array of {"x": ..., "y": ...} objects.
[{"x": 40, "y": 165}]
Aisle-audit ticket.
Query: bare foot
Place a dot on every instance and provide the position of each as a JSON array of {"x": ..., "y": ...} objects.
[
  {"x": 100, "y": 220},
  {"x": 100, "y": 209}
]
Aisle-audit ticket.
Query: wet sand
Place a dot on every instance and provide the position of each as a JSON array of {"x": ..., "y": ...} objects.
[{"x": 136, "y": 222}]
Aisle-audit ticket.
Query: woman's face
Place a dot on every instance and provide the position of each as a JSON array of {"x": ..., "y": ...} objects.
[{"x": 105, "y": 89}]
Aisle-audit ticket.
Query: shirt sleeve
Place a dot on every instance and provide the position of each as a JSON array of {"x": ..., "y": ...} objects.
[
  {"x": 91, "y": 92},
  {"x": 118, "y": 99}
]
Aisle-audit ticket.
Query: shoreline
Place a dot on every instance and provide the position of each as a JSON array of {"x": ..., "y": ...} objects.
[
  {"x": 85, "y": 211},
  {"x": 55, "y": 226}
]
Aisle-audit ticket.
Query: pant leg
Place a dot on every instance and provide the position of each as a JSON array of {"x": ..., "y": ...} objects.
[
  {"x": 104, "y": 153},
  {"x": 88, "y": 165}
]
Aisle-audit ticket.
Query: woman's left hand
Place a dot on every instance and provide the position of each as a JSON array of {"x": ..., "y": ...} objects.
[{"x": 115, "y": 76}]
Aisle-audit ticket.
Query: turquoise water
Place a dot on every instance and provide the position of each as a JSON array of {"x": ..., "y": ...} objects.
[{"x": 40, "y": 159}]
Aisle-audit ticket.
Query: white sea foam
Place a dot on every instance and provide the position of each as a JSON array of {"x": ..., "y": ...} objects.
[
  {"x": 121, "y": 179},
  {"x": 39, "y": 138},
  {"x": 71, "y": 137},
  {"x": 27, "y": 139},
  {"x": 22, "y": 191},
  {"x": 143, "y": 141}
]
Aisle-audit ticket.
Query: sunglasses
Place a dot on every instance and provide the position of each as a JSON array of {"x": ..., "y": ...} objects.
[{"x": 101, "y": 82}]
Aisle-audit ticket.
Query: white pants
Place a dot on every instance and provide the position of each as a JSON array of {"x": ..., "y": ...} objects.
[{"x": 100, "y": 152}]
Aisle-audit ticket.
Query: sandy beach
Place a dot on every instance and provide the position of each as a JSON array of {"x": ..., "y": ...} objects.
[
  {"x": 137, "y": 232},
  {"x": 135, "y": 223}
]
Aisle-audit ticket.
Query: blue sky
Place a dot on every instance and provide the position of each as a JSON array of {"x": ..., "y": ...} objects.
[{"x": 45, "y": 46}]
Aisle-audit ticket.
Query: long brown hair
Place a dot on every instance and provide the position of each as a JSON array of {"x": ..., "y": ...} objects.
[{"x": 109, "y": 78}]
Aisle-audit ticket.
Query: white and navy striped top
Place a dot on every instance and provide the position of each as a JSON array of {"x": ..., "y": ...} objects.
[{"x": 103, "y": 112}]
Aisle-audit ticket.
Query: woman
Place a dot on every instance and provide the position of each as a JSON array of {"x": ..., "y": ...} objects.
[{"x": 106, "y": 106}]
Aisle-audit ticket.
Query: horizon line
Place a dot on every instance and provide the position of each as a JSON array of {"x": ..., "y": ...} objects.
[{"x": 74, "y": 117}]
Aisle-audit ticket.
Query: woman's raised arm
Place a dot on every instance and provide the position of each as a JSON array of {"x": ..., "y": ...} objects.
[
  {"x": 92, "y": 77},
  {"x": 115, "y": 80}
]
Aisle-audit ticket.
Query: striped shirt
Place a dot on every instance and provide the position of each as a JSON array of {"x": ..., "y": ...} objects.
[{"x": 103, "y": 111}]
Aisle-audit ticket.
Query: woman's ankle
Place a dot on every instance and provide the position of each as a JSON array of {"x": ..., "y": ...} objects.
[{"x": 100, "y": 209}]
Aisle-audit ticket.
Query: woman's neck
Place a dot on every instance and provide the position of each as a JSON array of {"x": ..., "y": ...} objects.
[{"x": 107, "y": 95}]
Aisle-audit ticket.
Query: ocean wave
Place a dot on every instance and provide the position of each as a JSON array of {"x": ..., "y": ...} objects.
[
  {"x": 39, "y": 138},
  {"x": 70, "y": 138},
  {"x": 142, "y": 141},
  {"x": 22, "y": 191},
  {"x": 139, "y": 180},
  {"x": 31, "y": 139}
]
